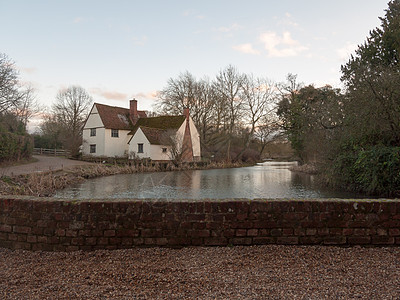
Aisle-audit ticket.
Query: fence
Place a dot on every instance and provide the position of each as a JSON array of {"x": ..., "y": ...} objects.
[{"x": 52, "y": 152}]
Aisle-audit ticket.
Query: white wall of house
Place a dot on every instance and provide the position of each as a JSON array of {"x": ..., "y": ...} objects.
[
  {"x": 93, "y": 121},
  {"x": 97, "y": 140},
  {"x": 139, "y": 138},
  {"x": 195, "y": 139},
  {"x": 116, "y": 146},
  {"x": 157, "y": 152}
]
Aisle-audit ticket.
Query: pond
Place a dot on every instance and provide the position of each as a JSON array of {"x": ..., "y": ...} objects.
[{"x": 264, "y": 180}]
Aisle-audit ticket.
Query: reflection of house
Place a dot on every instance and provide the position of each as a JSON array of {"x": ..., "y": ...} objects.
[{"x": 115, "y": 131}]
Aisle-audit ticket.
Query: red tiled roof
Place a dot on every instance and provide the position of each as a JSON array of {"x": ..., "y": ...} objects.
[
  {"x": 157, "y": 136},
  {"x": 116, "y": 117},
  {"x": 156, "y": 128}
]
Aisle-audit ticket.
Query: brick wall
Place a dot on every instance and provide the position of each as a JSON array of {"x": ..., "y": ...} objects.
[{"x": 64, "y": 225}]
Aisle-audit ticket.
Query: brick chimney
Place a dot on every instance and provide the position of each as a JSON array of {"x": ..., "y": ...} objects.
[
  {"x": 186, "y": 113},
  {"x": 133, "y": 113}
]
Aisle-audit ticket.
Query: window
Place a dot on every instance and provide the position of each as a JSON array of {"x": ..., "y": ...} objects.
[
  {"x": 164, "y": 150},
  {"x": 140, "y": 148},
  {"x": 92, "y": 131},
  {"x": 114, "y": 132},
  {"x": 93, "y": 148}
]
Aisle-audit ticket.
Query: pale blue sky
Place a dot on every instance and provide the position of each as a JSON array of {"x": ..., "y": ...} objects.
[{"x": 118, "y": 49}]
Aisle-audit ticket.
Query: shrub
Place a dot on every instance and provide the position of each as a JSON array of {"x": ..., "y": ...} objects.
[{"x": 374, "y": 171}]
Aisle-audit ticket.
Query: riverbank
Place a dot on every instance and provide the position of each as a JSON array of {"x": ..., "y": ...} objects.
[
  {"x": 45, "y": 184},
  {"x": 272, "y": 271}
]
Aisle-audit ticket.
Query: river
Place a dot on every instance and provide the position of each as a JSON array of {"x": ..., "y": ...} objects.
[{"x": 264, "y": 180}]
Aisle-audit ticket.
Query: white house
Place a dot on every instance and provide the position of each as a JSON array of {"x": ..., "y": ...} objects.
[{"x": 115, "y": 131}]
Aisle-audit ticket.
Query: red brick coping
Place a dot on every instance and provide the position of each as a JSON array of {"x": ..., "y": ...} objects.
[{"x": 67, "y": 225}]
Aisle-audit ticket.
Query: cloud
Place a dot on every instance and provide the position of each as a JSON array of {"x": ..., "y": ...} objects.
[
  {"x": 149, "y": 95},
  {"x": 281, "y": 46},
  {"x": 78, "y": 20},
  {"x": 192, "y": 13},
  {"x": 230, "y": 28},
  {"x": 140, "y": 41},
  {"x": 109, "y": 95},
  {"x": 345, "y": 52},
  {"x": 246, "y": 48}
]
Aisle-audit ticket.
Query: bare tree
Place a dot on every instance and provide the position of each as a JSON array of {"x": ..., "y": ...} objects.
[
  {"x": 27, "y": 107},
  {"x": 71, "y": 109},
  {"x": 259, "y": 99},
  {"x": 9, "y": 94},
  {"x": 228, "y": 85}
]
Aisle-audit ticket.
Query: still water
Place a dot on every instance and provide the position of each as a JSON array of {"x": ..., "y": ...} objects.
[{"x": 266, "y": 180}]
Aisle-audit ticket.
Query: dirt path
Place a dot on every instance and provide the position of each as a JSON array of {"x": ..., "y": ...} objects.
[{"x": 44, "y": 163}]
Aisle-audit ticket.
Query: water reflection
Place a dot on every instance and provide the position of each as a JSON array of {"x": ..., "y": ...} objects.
[{"x": 266, "y": 180}]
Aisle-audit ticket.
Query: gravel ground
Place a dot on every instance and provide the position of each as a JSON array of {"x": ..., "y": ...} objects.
[
  {"x": 257, "y": 272},
  {"x": 43, "y": 163}
]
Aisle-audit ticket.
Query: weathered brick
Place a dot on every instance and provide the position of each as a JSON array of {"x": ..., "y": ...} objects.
[
  {"x": 5, "y": 228},
  {"x": 252, "y": 232},
  {"x": 359, "y": 240},
  {"x": 22, "y": 229},
  {"x": 311, "y": 231},
  {"x": 215, "y": 241},
  {"x": 241, "y": 232},
  {"x": 383, "y": 240},
  {"x": 71, "y": 233},
  {"x": 394, "y": 232},
  {"x": 240, "y": 240},
  {"x": 264, "y": 240},
  {"x": 287, "y": 240},
  {"x": 334, "y": 240},
  {"x": 31, "y": 238},
  {"x": 109, "y": 233},
  {"x": 276, "y": 232}
]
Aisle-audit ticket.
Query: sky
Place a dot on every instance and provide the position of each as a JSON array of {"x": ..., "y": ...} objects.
[{"x": 120, "y": 49}]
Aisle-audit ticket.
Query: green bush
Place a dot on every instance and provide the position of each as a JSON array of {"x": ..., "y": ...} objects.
[
  {"x": 375, "y": 170},
  {"x": 14, "y": 147}
]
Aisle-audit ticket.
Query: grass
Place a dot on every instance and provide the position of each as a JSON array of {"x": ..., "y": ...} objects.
[{"x": 45, "y": 184}]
